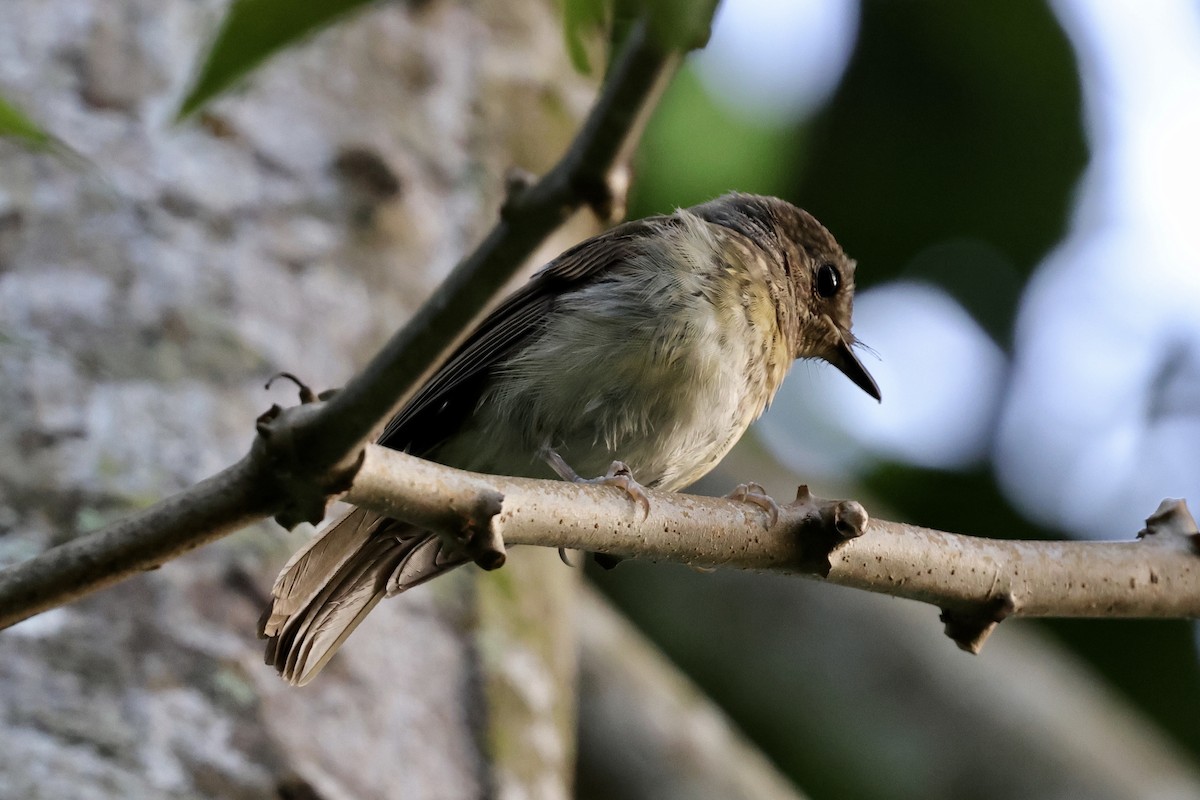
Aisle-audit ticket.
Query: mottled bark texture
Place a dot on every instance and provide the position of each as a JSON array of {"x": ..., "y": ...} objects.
[{"x": 144, "y": 300}]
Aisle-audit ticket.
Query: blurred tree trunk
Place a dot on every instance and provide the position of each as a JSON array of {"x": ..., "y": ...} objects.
[{"x": 143, "y": 301}]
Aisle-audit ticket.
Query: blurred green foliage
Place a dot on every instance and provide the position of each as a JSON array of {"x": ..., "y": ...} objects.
[
  {"x": 954, "y": 120},
  {"x": 695, "y": 150}
]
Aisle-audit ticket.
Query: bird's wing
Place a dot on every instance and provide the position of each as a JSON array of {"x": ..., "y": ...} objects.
[{"x": 451, "y": 394}]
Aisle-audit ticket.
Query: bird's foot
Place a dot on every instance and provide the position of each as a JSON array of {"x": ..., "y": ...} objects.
[
  {"x": 618, "y": 475},
  {"x": 621, "y": 476},
  {"x": 755, "y": 494}
]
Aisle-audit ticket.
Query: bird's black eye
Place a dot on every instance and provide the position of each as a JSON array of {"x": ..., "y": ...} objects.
[{"x": 829, "y": 280}]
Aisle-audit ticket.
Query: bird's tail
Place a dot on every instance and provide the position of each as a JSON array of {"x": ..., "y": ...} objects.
[{"x": 326, "y": 589}]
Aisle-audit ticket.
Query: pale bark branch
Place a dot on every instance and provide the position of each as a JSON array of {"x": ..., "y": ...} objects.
[{"x": 977, "y": 582}]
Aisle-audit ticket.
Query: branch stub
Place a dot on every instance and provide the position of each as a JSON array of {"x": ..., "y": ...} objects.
[{"x": 824, "y": 525}]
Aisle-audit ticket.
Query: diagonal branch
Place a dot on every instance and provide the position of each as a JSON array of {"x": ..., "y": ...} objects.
[
  {"x": 307, "y": 454},
  {"x": 584, "y": 175},
  {"x": 213, "y": 508}
]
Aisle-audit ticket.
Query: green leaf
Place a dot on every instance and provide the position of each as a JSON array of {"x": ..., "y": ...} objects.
[
  {"x": 17, "y": 125},
  {"x": 252, "y": 31},
  {"x": 581, "y": 19},
  {"x": 14, "y": 124}
]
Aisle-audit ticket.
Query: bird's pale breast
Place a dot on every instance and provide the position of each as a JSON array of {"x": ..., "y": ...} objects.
[{"x": 661, "y": 367}]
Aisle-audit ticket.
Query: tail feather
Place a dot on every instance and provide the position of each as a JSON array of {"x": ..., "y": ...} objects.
[
  {"x": 328, "y": 587},
  {"x": 308, "y": 571},
  {"x": 310, "y": 638}
]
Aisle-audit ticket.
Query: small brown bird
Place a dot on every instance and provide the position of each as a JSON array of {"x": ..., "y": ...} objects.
[{"x": 656, "y": 343}]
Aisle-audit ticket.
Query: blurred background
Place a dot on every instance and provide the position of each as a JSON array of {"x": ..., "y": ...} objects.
[{"x": 1018, "y": 182}]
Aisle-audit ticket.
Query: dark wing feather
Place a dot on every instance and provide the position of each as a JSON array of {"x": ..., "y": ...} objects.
[{"x": 452, "y": 393}]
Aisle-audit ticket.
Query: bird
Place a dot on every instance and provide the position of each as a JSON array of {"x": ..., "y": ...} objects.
[{"x": 649, "y": 348}]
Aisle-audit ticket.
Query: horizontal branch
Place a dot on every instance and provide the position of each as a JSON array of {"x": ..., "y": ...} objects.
[{"x": 975, "y": 581}]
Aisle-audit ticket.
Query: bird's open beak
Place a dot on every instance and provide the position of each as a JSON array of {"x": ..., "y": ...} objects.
[{"x": 844, "y": 359}]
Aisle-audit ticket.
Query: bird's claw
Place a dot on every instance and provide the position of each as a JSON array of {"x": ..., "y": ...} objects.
[
  {"x": 754, "y": 493},
  {"x": 618, "y": 475},
  {"x": 621, "y": 476}
]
